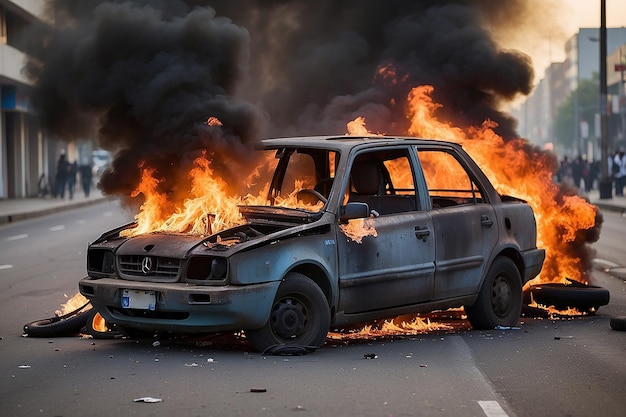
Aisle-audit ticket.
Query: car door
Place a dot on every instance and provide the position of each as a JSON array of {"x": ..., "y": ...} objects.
[
  {"x": 386, "y": 260},
  {"x": 465, "y": 230}
]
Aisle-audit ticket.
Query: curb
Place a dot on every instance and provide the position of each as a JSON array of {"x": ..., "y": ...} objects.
[
  {"x": 609, "y": 207},
  {"x": 12, "y": 218}
]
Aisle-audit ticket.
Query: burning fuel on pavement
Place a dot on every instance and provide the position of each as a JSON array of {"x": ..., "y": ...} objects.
[{"x": 182, "y": 91}]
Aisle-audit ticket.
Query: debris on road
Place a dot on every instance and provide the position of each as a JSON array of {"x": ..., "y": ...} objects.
[{"x": 147, "y": 400}]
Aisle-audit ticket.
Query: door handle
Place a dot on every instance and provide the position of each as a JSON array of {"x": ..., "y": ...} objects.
[
  {"x": 486, "y": 221},
  {"x": 422, "y": 233}
]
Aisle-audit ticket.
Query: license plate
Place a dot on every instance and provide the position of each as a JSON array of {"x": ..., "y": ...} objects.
[{"x": 141, "y": 300}]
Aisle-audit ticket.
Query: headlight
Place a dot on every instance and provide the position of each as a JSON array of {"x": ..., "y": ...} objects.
[
  {"x": 100, "y": 261},
  {"x": 202, "y": 268},
  {"x": 218, "y": 268}
]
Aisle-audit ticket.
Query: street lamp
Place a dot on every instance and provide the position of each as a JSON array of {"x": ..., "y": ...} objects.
[{"x": 606, "y": 191}]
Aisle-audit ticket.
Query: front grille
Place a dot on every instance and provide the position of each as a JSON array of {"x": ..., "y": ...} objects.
[{"x": 141, "y": 267}]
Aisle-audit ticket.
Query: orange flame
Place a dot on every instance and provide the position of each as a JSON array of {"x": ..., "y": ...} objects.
[
  {"x": 519, "y": 173},
  {"x": 394, "y": 327},
  {"x": 210, "y": 207},
  {"x": 357, "y": 229},
  {"x": 77, "y": 301}
]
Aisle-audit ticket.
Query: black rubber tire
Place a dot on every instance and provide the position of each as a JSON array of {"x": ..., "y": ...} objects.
[
  {"x": 499, "y": 301},
  {"x": 300, "y": 316},
  {"x": 584, "y": 298},
  {"x": 93, "y": 326},
  {"x": 618, "y": 323},
  {"x": 57, "y": 326}
]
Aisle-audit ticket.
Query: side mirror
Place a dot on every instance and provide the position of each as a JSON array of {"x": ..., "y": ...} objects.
[{"x": 354, "y": 211}]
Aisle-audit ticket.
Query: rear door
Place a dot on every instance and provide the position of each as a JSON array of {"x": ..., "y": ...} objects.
[{"x": 465, "y": 229}]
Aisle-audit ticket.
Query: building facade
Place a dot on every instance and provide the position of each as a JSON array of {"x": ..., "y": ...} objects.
[
  {"x": 27, "y": 154},
  {"x": 537, "y": 114}
]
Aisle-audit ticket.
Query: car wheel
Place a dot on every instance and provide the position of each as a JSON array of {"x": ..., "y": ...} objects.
[
  {"x": 499, "y": 301},
  {"x": 299, "y": 316},
  {"x": 57, "y": 326}
]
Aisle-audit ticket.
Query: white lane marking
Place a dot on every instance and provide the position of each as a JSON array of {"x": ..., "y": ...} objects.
[
  {"x": 18, "y": 237},
  {"x": 107, "y": 214},
  {"x": 57, "y": 228},
  {"x": 492, "y": 409},
  {"x": 6, "y": 266}
]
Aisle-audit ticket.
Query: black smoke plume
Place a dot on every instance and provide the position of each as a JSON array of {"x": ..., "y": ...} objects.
[{"x": 149, "y": 73}]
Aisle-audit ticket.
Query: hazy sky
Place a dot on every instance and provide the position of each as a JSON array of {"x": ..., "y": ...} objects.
[{"x": 570, "y": 16}]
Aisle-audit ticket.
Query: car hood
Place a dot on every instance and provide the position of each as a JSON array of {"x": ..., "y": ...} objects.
[
  {"x": 263, "y": 225},
  {"x": 160, "y": 244}
]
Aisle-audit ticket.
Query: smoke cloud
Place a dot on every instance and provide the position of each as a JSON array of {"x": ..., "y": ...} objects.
[{"x": 149, "y": 73}]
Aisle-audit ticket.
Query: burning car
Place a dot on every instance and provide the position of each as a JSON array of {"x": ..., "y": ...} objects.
[{"x": 349, "y": 229}]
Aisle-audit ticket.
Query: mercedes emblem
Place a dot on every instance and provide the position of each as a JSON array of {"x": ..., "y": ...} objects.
[{"x": 146, "y": 265}]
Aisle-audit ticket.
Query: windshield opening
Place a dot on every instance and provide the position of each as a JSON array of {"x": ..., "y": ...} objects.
[{"x": 300, "y": 178}]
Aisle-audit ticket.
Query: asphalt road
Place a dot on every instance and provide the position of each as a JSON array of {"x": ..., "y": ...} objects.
[{"x": 562, "y": 367}]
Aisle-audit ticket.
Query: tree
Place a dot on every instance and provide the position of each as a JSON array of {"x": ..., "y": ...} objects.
[{"x": 588, "y": 95}]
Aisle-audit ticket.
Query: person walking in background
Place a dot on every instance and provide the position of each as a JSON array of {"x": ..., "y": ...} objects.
[
  {"x": 86, "y": 174},
  {"x": 72, "y": 169},
  {"x": 577, "y": 171},
  {"x": 61, "y": 175},
  {"x": 619, "y": 172}
]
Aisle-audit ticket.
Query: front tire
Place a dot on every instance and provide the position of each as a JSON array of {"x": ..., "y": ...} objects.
[
  {"x": 499, "y": 301},
  {"x": 300, "y": 316}
]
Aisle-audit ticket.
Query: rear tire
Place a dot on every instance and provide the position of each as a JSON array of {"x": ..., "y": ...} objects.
[
  {"x": 300, "y": 316},
  {"x": 499, "y": 301}
]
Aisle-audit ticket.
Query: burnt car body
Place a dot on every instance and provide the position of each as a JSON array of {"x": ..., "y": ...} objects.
[{"x": 440, "y": 236}]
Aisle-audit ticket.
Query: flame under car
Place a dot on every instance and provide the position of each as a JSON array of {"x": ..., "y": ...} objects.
[{"x": 350, "y": 229}]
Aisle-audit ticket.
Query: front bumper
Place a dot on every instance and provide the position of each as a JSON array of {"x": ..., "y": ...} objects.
[{"x": 183, "y": 308}]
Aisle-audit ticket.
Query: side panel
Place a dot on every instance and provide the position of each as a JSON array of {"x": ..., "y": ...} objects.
[
  {"x": 392, "y": 269},
  {"x": 465, "y": 236},
  {"x": 272, "y": 261}
]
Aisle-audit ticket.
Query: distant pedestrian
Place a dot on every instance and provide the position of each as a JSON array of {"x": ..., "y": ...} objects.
[
  {"x": 61, "y": 176},
  {"x": 619, "y": 168},
  {"x": 72, "y": 169},
  {"x": 587, "y": 175},
  {"x": 86, "y": 174},
  {"x": 577, "y": 171},
  {"x": 565, "y": 171}
]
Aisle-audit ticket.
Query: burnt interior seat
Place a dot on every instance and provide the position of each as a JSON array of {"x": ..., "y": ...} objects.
[{"x": 368, "y": 183}]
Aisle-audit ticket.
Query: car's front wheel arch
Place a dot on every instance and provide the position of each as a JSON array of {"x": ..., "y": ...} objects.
[{"x": 300, "y": 316}]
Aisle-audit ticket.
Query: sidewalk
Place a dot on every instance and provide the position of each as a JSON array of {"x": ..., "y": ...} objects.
[
  {"x": 617, "y": 204},
  {"x": 12, "y": 210}
]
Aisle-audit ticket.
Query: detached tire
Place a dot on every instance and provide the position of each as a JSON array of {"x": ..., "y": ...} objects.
[
  {"x": 584, "y": 298},
  {"x": 618, "y": 323},
  {"x": 57, "y": 326},
  {"x": 499, "y": 301},
  {"x": 300, "y": 316}
]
